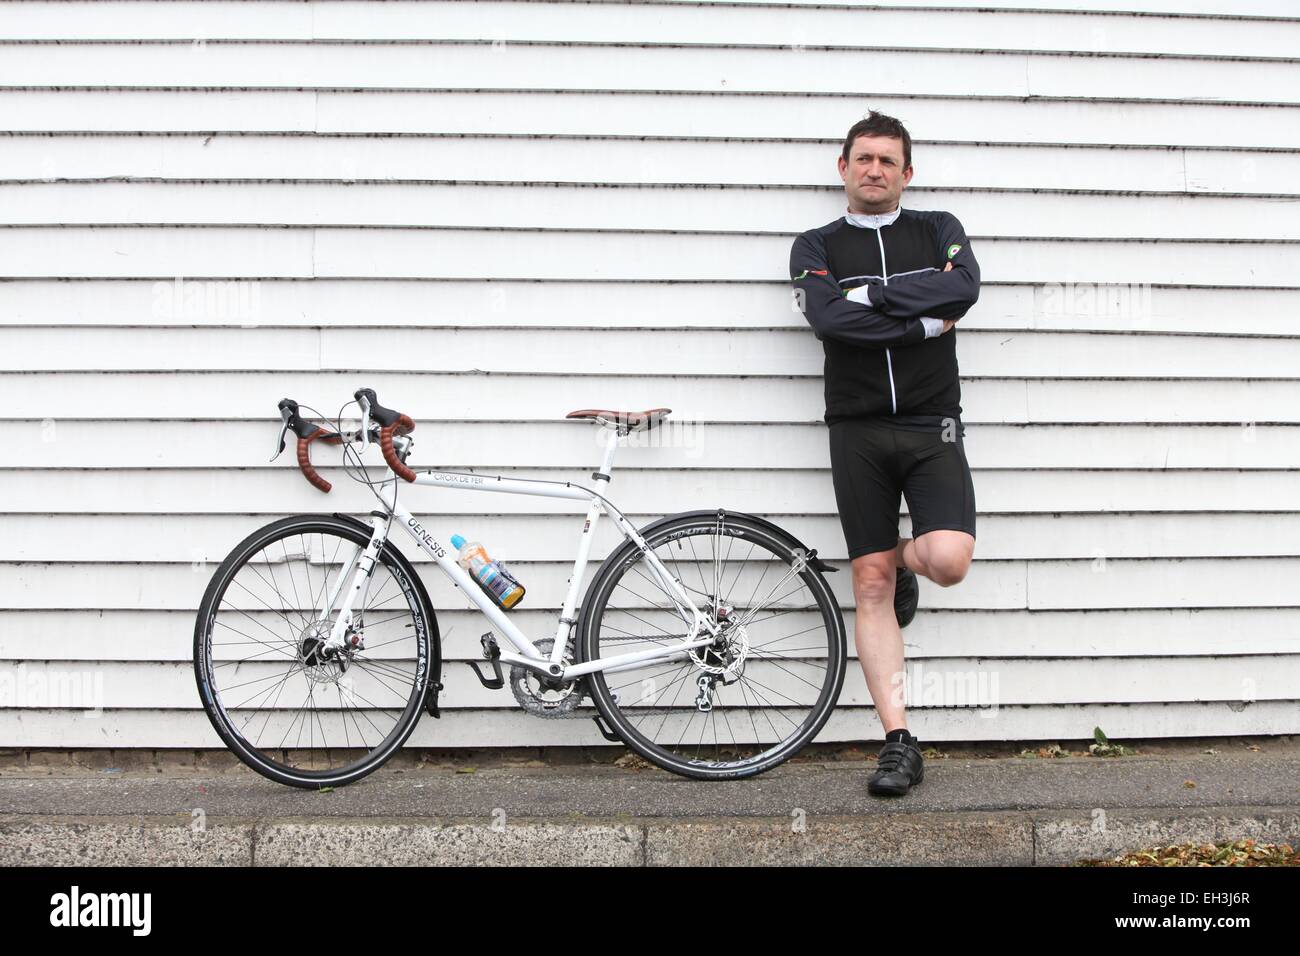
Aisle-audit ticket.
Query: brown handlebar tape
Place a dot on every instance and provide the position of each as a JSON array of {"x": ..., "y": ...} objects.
[
  {"x": 304, "y": 457},
  {"x": 403, "y": 426}
]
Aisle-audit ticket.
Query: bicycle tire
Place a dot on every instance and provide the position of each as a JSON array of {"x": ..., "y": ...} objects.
[{"x": 623, "y": 720}]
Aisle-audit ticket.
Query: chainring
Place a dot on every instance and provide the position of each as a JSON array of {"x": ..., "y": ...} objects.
[{"x": 538, "y": 699}]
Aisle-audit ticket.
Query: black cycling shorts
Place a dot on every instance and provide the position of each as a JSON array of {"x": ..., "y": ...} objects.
[{"x": 872, "y": 465}]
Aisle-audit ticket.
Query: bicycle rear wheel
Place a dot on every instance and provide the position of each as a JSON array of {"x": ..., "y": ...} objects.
[
  {"x": 286, "y": 709},
  {"x": 758, "y": 694}
]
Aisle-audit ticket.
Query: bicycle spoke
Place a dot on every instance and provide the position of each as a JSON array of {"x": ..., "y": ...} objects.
[
  {"x": 253, "y": 640},
  {"x": 262, "y": 693},
  {"x": 292, "y": 583},
  {"x": 282, "y": 610},
  {"x": 271, "y": 709}
]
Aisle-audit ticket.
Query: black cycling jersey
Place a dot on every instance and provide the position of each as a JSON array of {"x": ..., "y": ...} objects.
[{"x": 874, "y": 290}]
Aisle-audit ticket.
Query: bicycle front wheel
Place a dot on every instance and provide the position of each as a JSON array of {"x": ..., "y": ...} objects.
[
  {"x": 754, "y": 697},
  {"x": 286, "y": 707}
]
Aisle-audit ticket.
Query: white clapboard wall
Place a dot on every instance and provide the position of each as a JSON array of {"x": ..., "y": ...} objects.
[{"x": 494, "y": 213}]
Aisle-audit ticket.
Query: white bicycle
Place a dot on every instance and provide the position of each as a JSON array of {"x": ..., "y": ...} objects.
[{"x": 708, "y": 640}]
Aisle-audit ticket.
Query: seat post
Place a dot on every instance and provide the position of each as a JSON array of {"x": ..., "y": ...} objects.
[{"x": 607, "y": 465}]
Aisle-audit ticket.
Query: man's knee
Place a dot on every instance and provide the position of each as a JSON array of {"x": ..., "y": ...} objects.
[
  {"x": 873, "y": 578},
  {"x": 948, "y": 563}
]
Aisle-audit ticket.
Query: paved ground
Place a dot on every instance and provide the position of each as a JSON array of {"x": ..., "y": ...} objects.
[{"x": 106, "y": 808}]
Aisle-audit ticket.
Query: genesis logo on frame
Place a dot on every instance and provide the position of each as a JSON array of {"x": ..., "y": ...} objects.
[{"x": 427, "y": 538}]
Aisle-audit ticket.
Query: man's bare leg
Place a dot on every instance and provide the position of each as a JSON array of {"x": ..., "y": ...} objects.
[
  {"x": 877, "y": 635},
  {"x": 876, "y": 632}
]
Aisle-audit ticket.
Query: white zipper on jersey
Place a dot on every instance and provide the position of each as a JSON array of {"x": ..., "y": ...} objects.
[{"x": 889, "y": 362}]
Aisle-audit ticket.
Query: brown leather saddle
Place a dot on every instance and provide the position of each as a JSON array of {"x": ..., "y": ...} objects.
[{"x": 625, "y": 422}]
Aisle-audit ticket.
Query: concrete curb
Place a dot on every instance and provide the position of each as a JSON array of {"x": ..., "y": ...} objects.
[{"x": 1016, "y": 838}]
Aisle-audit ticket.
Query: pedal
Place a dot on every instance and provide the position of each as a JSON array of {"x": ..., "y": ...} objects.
[{"x": 492, "y": 653}]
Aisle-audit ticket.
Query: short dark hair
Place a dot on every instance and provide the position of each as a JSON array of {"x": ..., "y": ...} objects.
[{"x": 878, "y": 124}]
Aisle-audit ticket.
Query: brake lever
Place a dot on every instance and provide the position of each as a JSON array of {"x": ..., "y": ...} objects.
[
  {"x": 288, "y": 411},
  {"x": 364, "y": 401}
]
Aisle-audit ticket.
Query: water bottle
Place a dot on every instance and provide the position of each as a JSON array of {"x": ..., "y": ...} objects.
[{"x": 498, "y": 583}]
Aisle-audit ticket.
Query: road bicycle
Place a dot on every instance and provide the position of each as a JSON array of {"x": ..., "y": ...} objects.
[{"x": 709, "y": 641}]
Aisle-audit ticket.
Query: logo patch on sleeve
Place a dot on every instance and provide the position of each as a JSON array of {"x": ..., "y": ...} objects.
[{"x": 953, "y": 250}]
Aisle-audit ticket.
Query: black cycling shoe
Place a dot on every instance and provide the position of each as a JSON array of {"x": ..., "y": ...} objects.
[
  {"x": 898, "y": 768},
  {"x": 907, "y": 595}
]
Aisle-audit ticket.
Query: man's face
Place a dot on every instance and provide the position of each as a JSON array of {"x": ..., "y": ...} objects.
[{"x": 874, "y": 176}]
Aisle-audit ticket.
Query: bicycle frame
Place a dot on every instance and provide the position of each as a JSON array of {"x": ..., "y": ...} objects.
[{"x": 363, "y": 559}]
